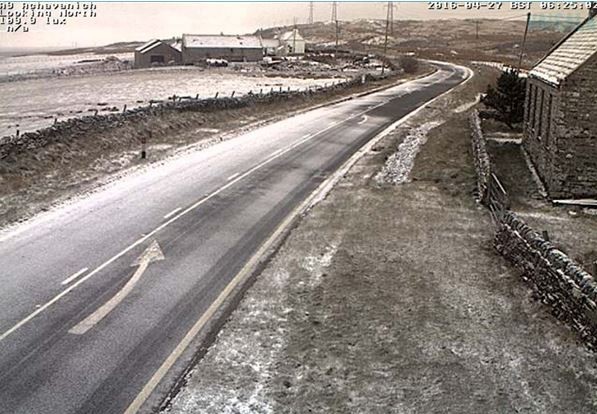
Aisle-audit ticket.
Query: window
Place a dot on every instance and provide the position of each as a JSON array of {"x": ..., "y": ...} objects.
[
  {"x": 539, "y": 120},
  {"x": 548, "y": 126},
  {"x": 532, "y": 107}
]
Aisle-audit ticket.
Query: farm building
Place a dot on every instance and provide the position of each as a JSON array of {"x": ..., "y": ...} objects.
[
  {"x": 156, "y": 52},
  {"x": 272, "y": 47},
  {"x": 293, "y": 42},
  {"x": 560, "y": 127},
  {"x": 197, "y": 48}
]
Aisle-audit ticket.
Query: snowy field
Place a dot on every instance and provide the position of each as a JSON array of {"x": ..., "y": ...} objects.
[
  {"x": 32, "y": 104},
  {"x": 22, "y": 65}
]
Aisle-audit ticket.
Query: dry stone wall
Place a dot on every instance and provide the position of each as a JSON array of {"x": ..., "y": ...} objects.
[
  {"x": 480, "y": 156},
  {"x": 556, "y": 279},
  {"x": 79, "y": 127}
]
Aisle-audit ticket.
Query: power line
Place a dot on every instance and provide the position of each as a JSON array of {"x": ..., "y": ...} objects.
[{"x": 385, "y": 43}]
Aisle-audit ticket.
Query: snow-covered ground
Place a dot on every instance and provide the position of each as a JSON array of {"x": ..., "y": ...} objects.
[
  {"x": 399, "y": 165},
  {"x": 22, "y": 65},
  {"x": 33, "y": 104}
]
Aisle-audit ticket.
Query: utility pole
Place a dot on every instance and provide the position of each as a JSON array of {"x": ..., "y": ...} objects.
[
  {"x": 294, "y": 29},
  {"x": 311, "y": 7},
  {"x": 391, "y": 7},
  {"x": 524, "y": 41},
  {"x": 337, "y": 35},
  {"x": 477, "y": 29},
  {"x": 385, "y": 43},
  {"x": 334, "y": 11}
]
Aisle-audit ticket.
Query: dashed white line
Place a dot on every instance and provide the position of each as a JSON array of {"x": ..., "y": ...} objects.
[
  {"x": 136, "y": 243},
  {"x": 173, "y": 212},
  {"x": 73, "y": 277},
  {"x": 232, "y": 177}
]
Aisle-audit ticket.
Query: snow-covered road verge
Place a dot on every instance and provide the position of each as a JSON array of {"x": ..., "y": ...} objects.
[{"x": 399, "y": 165}]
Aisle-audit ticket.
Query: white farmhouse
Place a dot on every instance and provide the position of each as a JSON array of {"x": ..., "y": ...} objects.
[{"x": 293, "y": 42}]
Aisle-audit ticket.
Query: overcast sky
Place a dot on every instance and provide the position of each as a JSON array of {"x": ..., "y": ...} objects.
[{"x": 127, "y": 21}]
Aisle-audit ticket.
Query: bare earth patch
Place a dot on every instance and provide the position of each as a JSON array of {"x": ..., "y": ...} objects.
[{"x": 390, "y": 298}]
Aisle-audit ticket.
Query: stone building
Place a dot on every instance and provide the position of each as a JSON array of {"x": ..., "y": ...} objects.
[
  {"x": 233, "y": 48},
  {"x": 157, "y": 53},
  {"x": 560, "y": 126}
]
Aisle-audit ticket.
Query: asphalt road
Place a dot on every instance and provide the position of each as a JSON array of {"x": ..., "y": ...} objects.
[{"x": 97, "y": 294}]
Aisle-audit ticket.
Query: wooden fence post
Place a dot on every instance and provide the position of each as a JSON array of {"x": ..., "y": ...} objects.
[{"x": 143, "y": 146}]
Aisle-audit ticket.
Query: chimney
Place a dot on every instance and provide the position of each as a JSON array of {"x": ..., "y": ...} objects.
[{"x": 592, "y": 9}]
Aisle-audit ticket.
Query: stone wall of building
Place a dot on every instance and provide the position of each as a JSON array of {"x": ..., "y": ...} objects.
[
  {"x": 191, "y": 55},
  {"x": 541, "y": 118},
  {"x": 560, "y": 131},
  {"x": 575, "y": 172}
]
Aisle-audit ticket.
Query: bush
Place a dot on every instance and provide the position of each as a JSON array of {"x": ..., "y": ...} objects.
[
  {"x": 508, "y": 97},
  {"x": 409, "y": 64}
]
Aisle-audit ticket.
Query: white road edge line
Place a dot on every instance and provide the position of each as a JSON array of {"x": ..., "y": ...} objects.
[
  {"x": 74, "y": 276},
  {"x": 173, "y": 212},
  {"x": 232, "y": 176},
  {"x": 98, "y": 269},
  {"x": 313, "y": 199}
]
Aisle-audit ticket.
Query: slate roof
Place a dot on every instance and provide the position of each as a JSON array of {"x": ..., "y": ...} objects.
[
  {"x": 148, "y": 46},
  {"x": 221, "y": 41},
  {"x": 154, "y": 43},
  {"x": 567, "y": 56}
]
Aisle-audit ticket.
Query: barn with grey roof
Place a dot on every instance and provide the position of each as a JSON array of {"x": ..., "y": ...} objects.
[
  {"x": 233, "y": 48},
  {"x": 560, "y": 126}
]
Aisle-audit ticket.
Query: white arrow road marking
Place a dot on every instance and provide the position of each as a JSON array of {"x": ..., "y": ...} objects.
[
  {"x": 73, "y": 277},
  {"x": 362, "y": 121},
  {"x": 151, "y": 254}
]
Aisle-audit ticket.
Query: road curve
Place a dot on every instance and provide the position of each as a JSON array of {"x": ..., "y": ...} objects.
[{"x": 96, "y": 294}]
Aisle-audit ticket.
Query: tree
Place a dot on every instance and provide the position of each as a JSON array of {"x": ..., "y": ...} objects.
[
  {"x": 508, "y": 97},
  {"x": 409, "y": 64}
]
